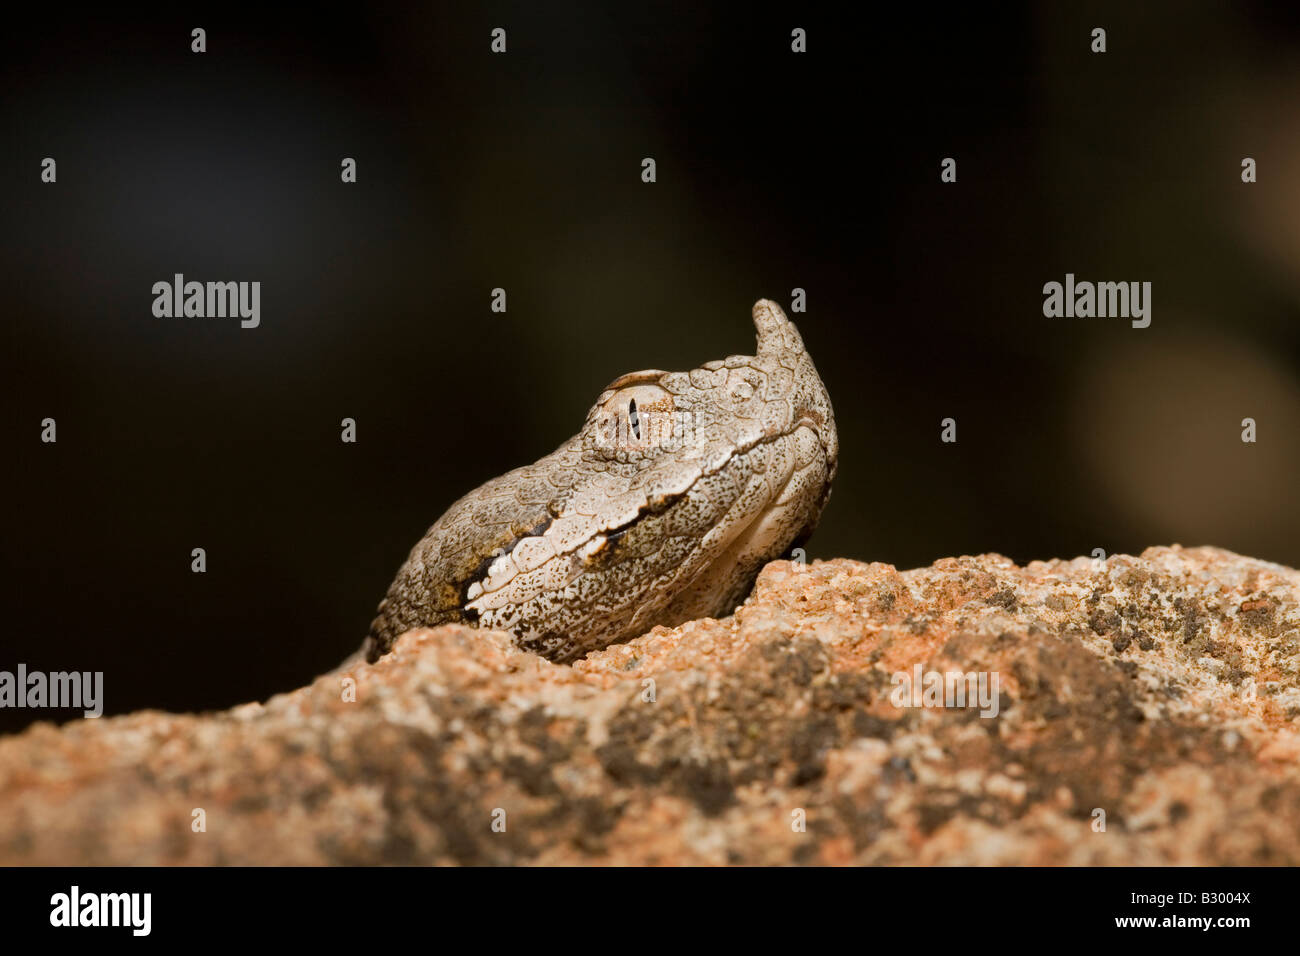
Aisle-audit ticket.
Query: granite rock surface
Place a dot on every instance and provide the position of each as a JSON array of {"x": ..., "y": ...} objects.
[{"x": 1138, "y": 710}]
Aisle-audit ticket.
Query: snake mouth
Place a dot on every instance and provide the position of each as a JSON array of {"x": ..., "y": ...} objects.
[
  {"x": 612, "y": 542},
  {"x": 480, "y": 572}
]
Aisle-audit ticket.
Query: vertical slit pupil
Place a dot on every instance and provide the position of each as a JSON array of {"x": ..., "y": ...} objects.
[{"x": 633, "y": 419}]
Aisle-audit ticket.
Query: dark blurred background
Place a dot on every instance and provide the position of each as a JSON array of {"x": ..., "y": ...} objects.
[{"x": 775, "y": 171}]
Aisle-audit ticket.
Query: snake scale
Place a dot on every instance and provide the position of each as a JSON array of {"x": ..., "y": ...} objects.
[{"x": 663, "y": 508}]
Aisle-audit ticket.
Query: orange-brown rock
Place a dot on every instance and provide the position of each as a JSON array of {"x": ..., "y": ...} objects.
[{"x": 1157, "y": 695}]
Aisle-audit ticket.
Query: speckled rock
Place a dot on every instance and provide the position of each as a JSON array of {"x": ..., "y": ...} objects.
[{"x": 1147, "y": 712}]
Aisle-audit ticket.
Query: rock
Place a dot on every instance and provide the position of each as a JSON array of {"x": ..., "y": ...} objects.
[{"x": 1146, "y": 713}]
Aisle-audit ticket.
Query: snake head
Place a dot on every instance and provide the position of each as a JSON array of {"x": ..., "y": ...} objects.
[
  {"x": 663, "y": 508},
  {"x": 723, "y": 406}
]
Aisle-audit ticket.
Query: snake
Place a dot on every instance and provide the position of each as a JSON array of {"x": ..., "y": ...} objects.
[{"x": 676, "y": 492}]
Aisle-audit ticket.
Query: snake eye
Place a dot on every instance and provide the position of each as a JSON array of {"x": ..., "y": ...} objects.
[{"x": 632, "y": 422}]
